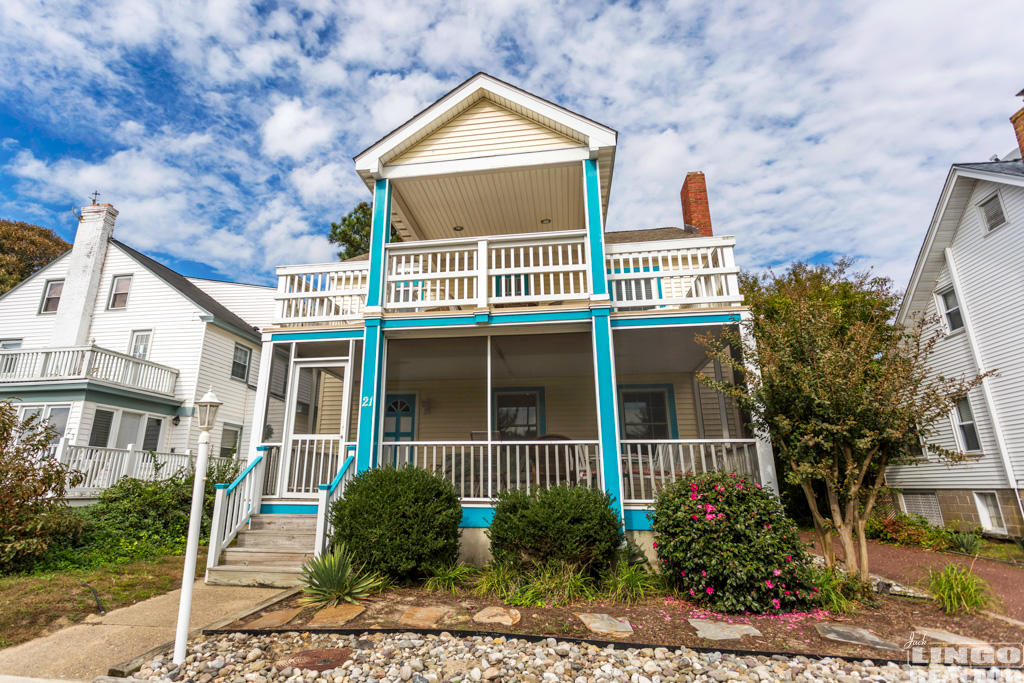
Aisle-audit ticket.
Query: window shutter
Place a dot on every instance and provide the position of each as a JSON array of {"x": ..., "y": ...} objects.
[
  {"x": 993, "y": 211},
  {"x": 151, "y": 439},
  {"x": 99, "y": 436}
]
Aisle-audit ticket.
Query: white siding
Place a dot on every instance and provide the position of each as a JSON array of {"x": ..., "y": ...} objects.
[
  {"x": 253, "y": 303},
  {"x": 19, "y": 308}
]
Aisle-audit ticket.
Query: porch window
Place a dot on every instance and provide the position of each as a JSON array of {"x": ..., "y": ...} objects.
[
  {"x": 951, "y": 309},
  {"x": 968, "y": 430},
  {"x": 119, "y": 288},
  {"x": 646, "y": 413},
  {"x": 51, "y": 296},
  {"x": 102, "y": 422},
  {"x": 989, "y": 512},
  {"x": 519, "y": 413},
  {"x": 240, "y": 363},
  {"x": 229, "y": 439}
]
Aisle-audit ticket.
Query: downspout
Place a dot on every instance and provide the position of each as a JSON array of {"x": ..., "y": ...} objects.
[{"x": 986, "y": 388}]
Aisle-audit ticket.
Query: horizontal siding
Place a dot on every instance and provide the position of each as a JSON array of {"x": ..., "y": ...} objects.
[
  {"x": 252, "y": 303},
  {"x": 19, "y": 308},
  {"x": 485, "y": 129}
]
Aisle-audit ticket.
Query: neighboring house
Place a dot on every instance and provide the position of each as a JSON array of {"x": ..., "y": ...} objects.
[
  {"x": 113, "y": 348},
  {"x": 506, "y": 341},
  {"x": 968, "y": 276}
]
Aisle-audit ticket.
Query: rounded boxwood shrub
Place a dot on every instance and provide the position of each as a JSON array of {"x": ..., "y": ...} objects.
[
  {"x": 726, "y": 543},
  {"x": 570, "y": 524},
  {"x": 399, "y": 522}
]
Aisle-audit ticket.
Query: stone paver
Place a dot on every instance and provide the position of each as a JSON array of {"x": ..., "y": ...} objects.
[
  {"x": 87, "y": 650},
  {"x": 949, "y": 638},
  {"x": 337, "y": 615},
  {"x": 605, "y": 624},
  {"x": 504, "y": 616},
  {"x": 722, "y": 630},
  {"x": 422, "y": 617},
  {"x": 275, "y": 619},
  {"x": 844, "y": 633}
]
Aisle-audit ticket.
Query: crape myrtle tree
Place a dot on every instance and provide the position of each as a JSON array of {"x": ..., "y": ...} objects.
[{"x": 843, "y": 390}]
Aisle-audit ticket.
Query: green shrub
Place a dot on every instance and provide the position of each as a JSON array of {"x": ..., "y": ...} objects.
[
  {"x": 726, "y": 543},
  {"x": 900, "y": 530},
  {"x": 554, "y": 583},
  {"x": 400, "y": 522},
  {"x": 958, "y": 589},
  {"x": 568, "y": 524},
  {"x": 965, "y": 542},
  {"x": 837, "y": 592},
  {"x": 1019, "y": 543},
  {"x": 450, "y": 578},
  {"x": 498, "y": 580},
  {"x": 333, "y": 578},
  {"x": 630, "y": 583}
]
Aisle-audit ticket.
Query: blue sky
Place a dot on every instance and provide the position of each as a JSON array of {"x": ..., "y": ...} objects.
[{"x": 223, "y": 132}]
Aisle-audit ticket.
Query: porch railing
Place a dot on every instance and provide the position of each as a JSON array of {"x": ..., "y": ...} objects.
[
  {"x": 479, "y": 470},
  {"x": 649, "y": 465},
  {"x": 103, "y": 467},
  {"x": 315, "y": 459},
  {"x": 320, "y": 293},
  {"x": 86, "y": 362},
  {"x": 233, "y": 506},
  {"x": 327, "y": 496}
]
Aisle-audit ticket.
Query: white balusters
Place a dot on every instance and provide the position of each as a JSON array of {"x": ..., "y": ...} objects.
[{"x": 649, "y": 465}]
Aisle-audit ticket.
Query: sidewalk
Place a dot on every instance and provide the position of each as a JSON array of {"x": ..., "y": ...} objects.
[{"x": 89, "y": 649}]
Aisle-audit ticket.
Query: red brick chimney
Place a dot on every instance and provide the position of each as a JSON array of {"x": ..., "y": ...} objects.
[
  {"x": 1018, "y": 125},
  {"x": 694, "y": 197}
]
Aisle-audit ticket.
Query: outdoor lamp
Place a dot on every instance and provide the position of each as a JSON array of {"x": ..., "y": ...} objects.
[{"x": 207, "y": 407}]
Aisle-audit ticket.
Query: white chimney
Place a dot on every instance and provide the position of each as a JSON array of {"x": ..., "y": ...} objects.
[{"x": 81, "y": 284}]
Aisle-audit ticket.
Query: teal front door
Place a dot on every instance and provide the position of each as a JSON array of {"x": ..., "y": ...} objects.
[{"x": 400, "y": 417}]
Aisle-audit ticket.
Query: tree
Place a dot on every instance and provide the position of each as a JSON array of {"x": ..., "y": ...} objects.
[
  {"x": 24, "y": 249},
  {"x": 352, "y": 233},
  {"x": 843, "y": 390}
]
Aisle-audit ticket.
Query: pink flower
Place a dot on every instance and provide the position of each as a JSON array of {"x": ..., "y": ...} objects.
[
  {"x": 693, "y": 495},
  {"x": 739, "y": 486},
  {"x": 721, "y": 515},
  {"x": 786, "y": 592},
  {"x": 757, "y": 485},
  {"x": 703, "y": 573},
  {"x": 789, "y": 558},
  {"x": 767, "y": 526},
  {"x": 710, "y": 590},
  {"x": 776, "y": 571},
  {"x": 656, "y": 545},
  {"x": 682, "y": 573},
  {"x": 694, "y": 517},
  {"x": 776, "y": 603},
  {"x": 768, "y": 582},
  {"x": 710, "y": 515}
]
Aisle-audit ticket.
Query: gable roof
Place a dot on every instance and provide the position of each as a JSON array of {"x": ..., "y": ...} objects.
[
  {"x": 213, "y": 308},
  {"x": 953, "y": 202}
]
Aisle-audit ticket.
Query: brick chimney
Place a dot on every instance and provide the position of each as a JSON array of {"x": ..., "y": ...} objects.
[
  {"x": 1018, "y": 126},
  {"x": 694, "y": 197},
  {"x": 82, "y": 282}
]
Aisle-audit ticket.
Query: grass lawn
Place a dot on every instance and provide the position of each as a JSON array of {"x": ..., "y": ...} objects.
[
  {"x": 35, "y": 604},
  {"x": 1001, "y": 550}
]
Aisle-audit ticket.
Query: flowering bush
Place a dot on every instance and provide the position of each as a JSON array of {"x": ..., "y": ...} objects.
[{"x": 727, "y": 544}]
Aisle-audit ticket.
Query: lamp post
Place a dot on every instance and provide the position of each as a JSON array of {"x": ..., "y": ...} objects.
[{"x": 206, "y": 408}]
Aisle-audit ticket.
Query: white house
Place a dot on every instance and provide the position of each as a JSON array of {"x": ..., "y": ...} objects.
[
  {"x": 113, "y": 348},
  {"x": 969, "y": 276},
  {"x": 506, "y": 341}
]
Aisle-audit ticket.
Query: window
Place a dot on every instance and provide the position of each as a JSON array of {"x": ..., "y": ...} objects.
[
  {"x": 229, "y": 440},
  {"x": 951, "y": 309},
  {"x": 128, "y": 430},
  {"x": 138, "y": 346},
  {"x": 10, "y": 344},
  {"x": 519, "y": 414},
  {"x": 55, "y": 415},
  {"x": 102, "y": 421},
  {"x": 279, "y": 373},
  {"x": 240, "y": 363},
  {"x": 119, "y": 289},
  {"x": 968, "y": 431},
  {"x": 51, "y": 296},
  {"x": 400, "y": 417},
  {"x": 645, "y": 413},
  {"x": 989, "y": 512},
  {"x": 992, "y": 212},
  {"x": 151, "y": 437}
]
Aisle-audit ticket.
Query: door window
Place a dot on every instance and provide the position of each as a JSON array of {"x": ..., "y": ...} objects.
[{"x": 400, "y": 417}]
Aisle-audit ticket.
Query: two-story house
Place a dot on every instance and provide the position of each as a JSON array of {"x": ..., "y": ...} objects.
[
  {"x": 113, "y": 348},
  {"x": 968, "y": 277},
  {"x": 505, "y": 340}
]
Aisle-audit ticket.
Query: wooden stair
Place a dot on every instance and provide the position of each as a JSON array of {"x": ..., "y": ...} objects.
[{"x": 270, "y": 552}]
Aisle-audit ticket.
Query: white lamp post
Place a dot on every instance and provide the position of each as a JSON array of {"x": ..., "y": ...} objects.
[{"x": 206, "y": 410}]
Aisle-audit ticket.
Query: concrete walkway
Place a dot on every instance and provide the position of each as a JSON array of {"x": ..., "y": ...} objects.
[{"x": 89, "y": 649}]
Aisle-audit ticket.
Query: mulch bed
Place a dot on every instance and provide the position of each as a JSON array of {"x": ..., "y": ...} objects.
[{"x": 663, "y": 621}]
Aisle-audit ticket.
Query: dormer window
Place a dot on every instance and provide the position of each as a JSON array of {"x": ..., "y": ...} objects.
[
  {"x": 119, "y": 289},
  {"x": 992, "y": 212},
  {"x": 51, "y": 296},
  {"x": 951, "y": 309}
]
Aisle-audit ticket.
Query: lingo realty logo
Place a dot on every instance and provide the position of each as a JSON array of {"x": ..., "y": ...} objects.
[{"x": 966, "y": 652}]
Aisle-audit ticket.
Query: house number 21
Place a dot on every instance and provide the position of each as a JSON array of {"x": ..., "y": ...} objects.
[{"x": 367, "y": 402}]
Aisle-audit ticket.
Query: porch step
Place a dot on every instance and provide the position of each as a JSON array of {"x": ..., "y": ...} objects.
[
  {"x": 243, "y": 575},
  {"x": 265, "y": 557},
  {"x": 298, "y": 523},
  {"x": 276, "y": 539}
]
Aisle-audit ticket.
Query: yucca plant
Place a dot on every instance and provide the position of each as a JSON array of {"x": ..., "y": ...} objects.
[
  {"x": 958, "y": 589},
  {"x": 333, "y": 578},
  {"x": 449, "y": 578},
  {"x": 965, "y": 542}
]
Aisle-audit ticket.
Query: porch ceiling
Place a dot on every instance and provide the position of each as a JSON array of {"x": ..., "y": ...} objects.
[
  {"x": 665, "y": 349},
  {"x": 490, "y": 203}
]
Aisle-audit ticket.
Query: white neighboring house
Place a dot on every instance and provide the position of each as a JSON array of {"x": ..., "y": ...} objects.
[
  {"x": 114, "y": 348},
  {"x": 969, "y": 275}
]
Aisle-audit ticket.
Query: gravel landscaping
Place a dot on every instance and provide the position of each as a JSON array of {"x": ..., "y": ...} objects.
[{"x": 331, "y": 658}]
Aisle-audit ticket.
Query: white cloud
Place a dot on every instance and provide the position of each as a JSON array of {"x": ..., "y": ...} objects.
[{"x": 294, "y": 130}]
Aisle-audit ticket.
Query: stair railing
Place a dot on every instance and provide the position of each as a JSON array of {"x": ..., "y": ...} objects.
[
  {"x": 233, "y": 506},
  {"x": 327, "y": 494}
]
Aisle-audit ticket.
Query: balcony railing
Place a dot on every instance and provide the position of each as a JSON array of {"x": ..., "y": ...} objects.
[
  {"x": 86, "y": 362},
  {"x": 513, "y": 270}
]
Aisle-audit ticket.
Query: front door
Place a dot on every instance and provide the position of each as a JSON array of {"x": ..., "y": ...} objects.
[{"x": 399, "y": 425}]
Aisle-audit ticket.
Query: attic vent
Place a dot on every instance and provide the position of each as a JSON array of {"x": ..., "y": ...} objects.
[{"x": 993, "y": 212}]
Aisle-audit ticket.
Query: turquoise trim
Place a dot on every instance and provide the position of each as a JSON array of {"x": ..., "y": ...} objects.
[
  {"x": 468, "y": 320},
  {"x": 370, "y": 393},
  {"x": 670, "y": 398},
  {"x": 338, "y": 477},
  {"x": 476, "y": 518},
  {"x": 263, "y": 448},
  {"x": 308, "y": 336},
  {"x": 678, "y": 320},
  {"x": 221, "y": 486},
  {"x": 541, "y": 408},
  {"x": 637, "y": 520},
  {"x": 595, "y": 227},
  {"x": 244, "y": 474},
  {"x": 607, "y": 401},
  {"x": 379, "y": 233},
  {"x": 287, "y": 509},
  {"x": 400, "y": 436}
]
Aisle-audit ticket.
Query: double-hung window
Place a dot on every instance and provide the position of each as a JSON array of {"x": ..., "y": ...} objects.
[
  {"x": 240, "y": 362},
  {"x": 989, "y": 513},
  {"x": 119, "y": 288},
  {"x": 645, "y": 413},
  {"x": 965, "y": 423},
  {"x": 51, "y": 296},
  {"x": 951, "y": 309},
  {"x": 229, "y": 438},
  {"x": 519, "y": 414}
]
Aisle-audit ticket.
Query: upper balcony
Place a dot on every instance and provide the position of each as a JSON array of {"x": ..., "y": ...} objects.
[
  {"x": 512, "y": 271},
  {"x": 24, "y": 366}
]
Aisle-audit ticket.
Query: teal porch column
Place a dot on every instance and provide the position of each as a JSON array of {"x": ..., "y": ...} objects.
[{"x": 373, "y": 342}]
